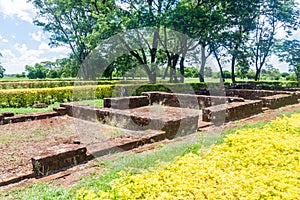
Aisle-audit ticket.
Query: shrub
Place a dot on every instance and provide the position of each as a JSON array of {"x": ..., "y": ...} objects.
[
  {"x": 28, "y": 97},
  {"x": 270, "y": 83},
  {"x": 251, "y": 164},
  {"x": 49, "y": 84}
]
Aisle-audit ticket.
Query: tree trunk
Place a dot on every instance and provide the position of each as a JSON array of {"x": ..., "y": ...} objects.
[
  {"x": 173, "y": 76},
  {"x": 219, "y": 64},
  {"x": 182, "y": 69},
  {"x": 203, "y": 62},
  {"x": 257, "y": 74},
  {"x": 232, "y": 69},
  {"x": 166, "y": 72},
  {"x": 152, "y": 78}
]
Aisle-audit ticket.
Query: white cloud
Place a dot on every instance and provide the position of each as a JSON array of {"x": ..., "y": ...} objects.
[
  {"x": 15, "y": 63},
  {"x": 14, "y": 60},
  {"x": 3, "y": 39},
  {"x": 20, "y": 48},
  {"x": 19, "y": 8},
  {"x": 37, "y": 36},
  {"x": 44, "y": 46},
  {"x": 7, "y": 52},
  {"x": 60, "y": 49}
]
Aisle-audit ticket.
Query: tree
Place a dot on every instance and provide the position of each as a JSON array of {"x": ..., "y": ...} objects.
[
  {"x": 251, "y": 74},
  {"x": 243, "y": 64},
  {"x": 208, "y": 71},
  {"x": 199, "y": 20},
  {"x": 72, "y": 22},
  {"x": 289, "y": 51},
  {"x": 67, "y": 67},
  {"x": 271, "y": 73},
  {"x": 138, "y": 15},
  {"x": 240, "y": 20},
  {"x": 284, "y": 74},
  {"x": 2, "y": 70},
  {"x": 273, "y": 16},
  {"x": 36, "y": 71},
  {"x": 191, "y": 72}
]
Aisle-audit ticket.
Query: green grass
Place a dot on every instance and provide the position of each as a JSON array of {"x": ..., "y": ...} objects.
[
  {"x": 149, "y": 159},
  {"x": 96, "y": 102},
  {"x": 29, "y": 109}
]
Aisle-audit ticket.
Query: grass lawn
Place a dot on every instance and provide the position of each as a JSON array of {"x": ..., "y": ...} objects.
[{"x": 95, "y": 102}]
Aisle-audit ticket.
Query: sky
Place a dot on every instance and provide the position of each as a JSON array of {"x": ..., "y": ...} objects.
[{"x": 22, "y": 43}]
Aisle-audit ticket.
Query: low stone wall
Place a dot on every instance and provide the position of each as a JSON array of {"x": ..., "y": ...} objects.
[
  {"x": 256, "y": 94},
  {"x": 188, "y": 100},
  {"x": 232, "y": 111},
  {"x": 57, "y": 158},
  {"x": 174, "y": 121},
  {"x": 126, "y": 102},
  {"x": 27, "y": 117},
  {"x": 279, "y": 100}
]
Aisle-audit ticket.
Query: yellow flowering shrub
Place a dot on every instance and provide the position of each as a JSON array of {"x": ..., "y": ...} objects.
[{"x": 251, "y": 164}]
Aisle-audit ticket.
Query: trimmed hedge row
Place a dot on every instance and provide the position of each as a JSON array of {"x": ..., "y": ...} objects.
[
  {"x": 28, "y": 97},
  {"x": 49, "y": 84},
  {"x": 269, "y": 83}
]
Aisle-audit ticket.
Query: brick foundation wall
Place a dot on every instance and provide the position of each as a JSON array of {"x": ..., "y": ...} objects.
[
  {"x": 232, "y": 111},
  {"x": 188, "y": 100}
]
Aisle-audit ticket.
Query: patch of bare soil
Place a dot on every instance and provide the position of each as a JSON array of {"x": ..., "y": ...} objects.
[{"x": 19, "y": 142}]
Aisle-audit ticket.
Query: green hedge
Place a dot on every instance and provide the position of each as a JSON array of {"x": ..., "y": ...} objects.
[
  {"x": 49, "y": 84},
  {"x": 28, "y": 97},
  {"x": 137, "y": 89},
  {"x": 270, "y": 83}
]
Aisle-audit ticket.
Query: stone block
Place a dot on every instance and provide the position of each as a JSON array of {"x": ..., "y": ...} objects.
[
  {"x": 279, "y": 100},
  {"x": 39, "y": 105},
  {"x": 188, "y": 100},
  {"x": 60, "y": 110},
  {"x": 29, "y": 117},
  {"x": 57, "y": 158},
  {"x": 8, "y": 114},
  {"x": 126, "y": 102},
  {"x": 169, "y": 119},
  {"x": 254, "y": 94},
  {"x": 232, "y": 111}
]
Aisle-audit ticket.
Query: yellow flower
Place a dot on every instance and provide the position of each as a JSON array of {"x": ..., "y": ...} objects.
[{"x": 251, "y": 164}]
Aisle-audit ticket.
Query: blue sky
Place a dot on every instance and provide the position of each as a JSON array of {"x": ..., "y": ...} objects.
[{"x": 22, "y": 43}]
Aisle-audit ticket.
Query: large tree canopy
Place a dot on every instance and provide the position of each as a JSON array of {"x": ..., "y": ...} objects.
[
  {"x": 289, "y": 51},
  {"x": 239, "y": 33}
]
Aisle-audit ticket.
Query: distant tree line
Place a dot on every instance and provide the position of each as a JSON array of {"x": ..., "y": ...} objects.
[
  {"x": 241, "y": 34},
  {"x": 2, "y": 70}
]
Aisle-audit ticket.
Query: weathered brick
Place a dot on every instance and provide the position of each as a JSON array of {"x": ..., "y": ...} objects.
[
  {"x": 57, "y": 158},
  {"x": 231, "y": 111},
  {"x": 126, "y": 102},
  {"x": 279, "y": 100}
]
